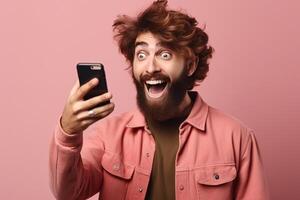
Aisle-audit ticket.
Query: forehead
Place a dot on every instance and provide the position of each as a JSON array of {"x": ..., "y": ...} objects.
[{"x": 147, "y": 39}]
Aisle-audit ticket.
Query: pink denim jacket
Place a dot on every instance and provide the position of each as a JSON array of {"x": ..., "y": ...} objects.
[{"x": 218, "y": 159}]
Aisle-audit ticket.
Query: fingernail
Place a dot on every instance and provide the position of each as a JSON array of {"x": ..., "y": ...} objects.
[{"x": 95, "y": 80}]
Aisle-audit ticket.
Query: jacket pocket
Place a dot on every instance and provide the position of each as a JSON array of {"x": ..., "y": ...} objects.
[
  {"x": 116, "y": 176},
  {"x": 215, "y": 181}
]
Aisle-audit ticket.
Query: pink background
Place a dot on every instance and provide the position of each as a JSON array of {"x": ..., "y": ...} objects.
[{"x": 254, "y": 76}]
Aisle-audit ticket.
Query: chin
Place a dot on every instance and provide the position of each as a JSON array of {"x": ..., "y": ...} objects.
[{"x": 159, "y": 100}]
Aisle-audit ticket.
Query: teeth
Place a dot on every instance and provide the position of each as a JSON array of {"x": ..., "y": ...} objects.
[{"x": 155, "y": 82}]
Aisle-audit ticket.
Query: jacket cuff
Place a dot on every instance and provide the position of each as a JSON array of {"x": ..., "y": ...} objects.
[{"x": 66, "y": 140}]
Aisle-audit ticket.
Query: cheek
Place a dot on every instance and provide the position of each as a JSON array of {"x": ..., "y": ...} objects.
[
  {"x": 175, "y": 70},
  {"x": 136, "y": 72},
  {"x": 136, "y": 76}
]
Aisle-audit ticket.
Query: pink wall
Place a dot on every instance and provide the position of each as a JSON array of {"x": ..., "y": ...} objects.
[{"x": 254, "y": 76}]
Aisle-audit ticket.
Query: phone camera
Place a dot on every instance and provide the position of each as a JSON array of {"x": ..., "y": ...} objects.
[{"x": 96, "y": 67}]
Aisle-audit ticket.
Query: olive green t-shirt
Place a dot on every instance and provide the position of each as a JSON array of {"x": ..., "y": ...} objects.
[{"x": 162, "y": 180}]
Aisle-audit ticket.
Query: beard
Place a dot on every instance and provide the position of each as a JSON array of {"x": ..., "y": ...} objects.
[{"x": 167, "y": 107}]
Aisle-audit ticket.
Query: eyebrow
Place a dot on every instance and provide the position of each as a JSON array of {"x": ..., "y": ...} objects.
[{"x": 142, "y": 43}]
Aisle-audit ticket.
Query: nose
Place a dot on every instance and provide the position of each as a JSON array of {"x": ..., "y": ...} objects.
[{"x": 153, "y": 66}]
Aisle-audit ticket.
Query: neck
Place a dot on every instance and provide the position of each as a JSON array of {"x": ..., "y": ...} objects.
[{"x": 185, "y": 107}]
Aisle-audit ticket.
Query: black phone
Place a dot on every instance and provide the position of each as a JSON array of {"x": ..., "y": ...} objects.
[{"x": 88, "y": 71}]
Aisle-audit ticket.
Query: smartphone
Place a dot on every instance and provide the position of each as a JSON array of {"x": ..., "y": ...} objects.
[{"x": 88, "y": 71}]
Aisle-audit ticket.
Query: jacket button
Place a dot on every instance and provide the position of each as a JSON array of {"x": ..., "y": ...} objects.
[
  {"x": 116, "y": 167},
  {"x": 148, "y": 154},
  {"x": 216, "y": 176},
  {"x": 181, "y": 187},
  {"x": 140, "y": 189}
]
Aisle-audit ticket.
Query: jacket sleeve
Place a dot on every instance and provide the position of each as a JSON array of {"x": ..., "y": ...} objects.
[
  {"x": 75, "y": 169},
  {"x": 251, "y": 183}
]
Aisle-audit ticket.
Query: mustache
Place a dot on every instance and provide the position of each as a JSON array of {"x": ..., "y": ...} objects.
[{"x": 156, "y": 76}]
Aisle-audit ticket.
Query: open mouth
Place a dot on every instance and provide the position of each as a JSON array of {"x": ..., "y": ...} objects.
[{"x": 156, "y": 88}]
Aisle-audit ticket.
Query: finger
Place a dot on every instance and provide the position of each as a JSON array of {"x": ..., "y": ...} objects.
[
  {"x": 100, "y": 111},
  {"x": 86, "y": 123},
  {"x": 95, "y": 113},
  {"x": 91, "y": 103},
  {"x": 75, "y": 88},
  {"x": 103, "y": 114},
  {"x": 84, "y": 89},
  {"x": 80, "y": 106}
]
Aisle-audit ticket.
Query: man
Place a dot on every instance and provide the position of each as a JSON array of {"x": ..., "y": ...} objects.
[{"x": 174, "y": 146}]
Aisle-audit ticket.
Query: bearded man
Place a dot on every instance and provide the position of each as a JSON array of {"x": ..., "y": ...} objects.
[{"x": 174, "y": 146}]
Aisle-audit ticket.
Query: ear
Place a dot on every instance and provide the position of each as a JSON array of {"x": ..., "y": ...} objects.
[{"x": 192, "y": 66}]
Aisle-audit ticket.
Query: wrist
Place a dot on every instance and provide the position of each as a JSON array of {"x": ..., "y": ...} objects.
[
  {"x": 66, "y": 139},
  {"x": 66, "y": 130}
]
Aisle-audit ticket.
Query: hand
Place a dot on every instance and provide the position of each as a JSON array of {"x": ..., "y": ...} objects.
[{"x": 78, "y": 114}]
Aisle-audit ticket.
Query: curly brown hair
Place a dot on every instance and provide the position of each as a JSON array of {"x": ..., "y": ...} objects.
[{"x": 175, "y": 29}]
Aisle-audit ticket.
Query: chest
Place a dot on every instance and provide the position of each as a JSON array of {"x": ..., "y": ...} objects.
[{"x": 204, "y": 166}]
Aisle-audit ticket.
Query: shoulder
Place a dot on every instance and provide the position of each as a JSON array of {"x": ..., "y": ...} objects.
[
  {"x": 229, "y": 131},
  {"x": 110, "y": 128},
  {"x": 116, "y": 121},
  {"x": 228, "y": 125}
]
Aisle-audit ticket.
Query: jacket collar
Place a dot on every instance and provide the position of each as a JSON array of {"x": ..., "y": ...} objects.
[
  {"x": 196, "y": 118},
  {"x": 199, "y": 112},
  {"x": 137, "y": 120}
]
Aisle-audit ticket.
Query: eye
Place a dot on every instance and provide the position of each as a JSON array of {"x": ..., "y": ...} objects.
[
  {"x": 141, "y": 55},
  {"x": 166, "y": 55}
]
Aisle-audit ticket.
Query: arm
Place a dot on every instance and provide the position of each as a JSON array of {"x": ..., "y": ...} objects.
[
  {"x": 251, "y": 183},
  {"x": 75, "y": 172}
]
